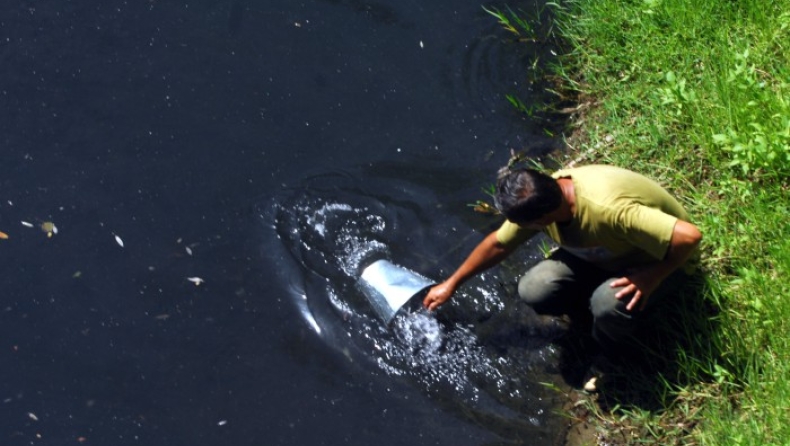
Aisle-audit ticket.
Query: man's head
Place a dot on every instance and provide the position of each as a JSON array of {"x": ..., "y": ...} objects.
[{"x": 526, "y": 195}]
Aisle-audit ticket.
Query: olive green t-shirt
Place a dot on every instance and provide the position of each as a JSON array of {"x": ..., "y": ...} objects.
[{"x": 622, "y": 219}]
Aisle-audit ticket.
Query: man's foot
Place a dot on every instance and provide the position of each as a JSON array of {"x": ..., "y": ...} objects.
[{"x": 600, "y": 367}]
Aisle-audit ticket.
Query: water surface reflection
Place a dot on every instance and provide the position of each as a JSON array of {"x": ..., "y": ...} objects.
[{"x": 175, "y": 125}]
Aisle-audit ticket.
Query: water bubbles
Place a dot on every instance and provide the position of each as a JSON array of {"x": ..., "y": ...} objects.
[
  {"x": 419, "y": 332},
  {"x": 317, "y": 219},
  {"x": 347, "y": 232}
]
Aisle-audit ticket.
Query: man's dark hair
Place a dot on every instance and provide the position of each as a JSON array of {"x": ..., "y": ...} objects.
[{"x": 524, "y": 195}]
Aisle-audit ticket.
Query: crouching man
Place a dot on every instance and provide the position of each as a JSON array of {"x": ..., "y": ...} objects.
[{"x": 623, "y": 240}]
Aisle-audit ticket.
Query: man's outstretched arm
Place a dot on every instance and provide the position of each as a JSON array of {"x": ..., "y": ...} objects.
[{"x": 487, "y": 254}]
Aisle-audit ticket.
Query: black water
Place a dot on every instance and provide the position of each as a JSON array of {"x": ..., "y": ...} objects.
[{"x": 265, "y": 147}]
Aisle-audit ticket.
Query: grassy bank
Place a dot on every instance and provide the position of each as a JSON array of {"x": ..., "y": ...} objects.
[{"x": 697, "y": 95}]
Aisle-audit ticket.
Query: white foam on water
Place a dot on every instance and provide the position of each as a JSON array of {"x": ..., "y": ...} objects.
[
  {"x": 419, "y": 332},
  {"x": 345, "y": 231},
  {"x": 317, "y": 218}
]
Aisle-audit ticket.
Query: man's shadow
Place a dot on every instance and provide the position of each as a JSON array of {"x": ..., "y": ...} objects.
[
  {"x": 635, "y": 375},
  {"x": 677, "y": 330}
]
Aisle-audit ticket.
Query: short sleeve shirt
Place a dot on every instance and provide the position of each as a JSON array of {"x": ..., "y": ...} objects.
[{"x": 621, "y": 219}]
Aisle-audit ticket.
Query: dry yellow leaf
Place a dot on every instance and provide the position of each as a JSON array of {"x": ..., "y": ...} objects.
[{"x": 49, "y": 228}]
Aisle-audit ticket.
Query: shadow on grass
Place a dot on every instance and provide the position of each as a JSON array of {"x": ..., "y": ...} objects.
[
  {"x": 673, "y": 345},
  {"x": 676, "y": 350}
]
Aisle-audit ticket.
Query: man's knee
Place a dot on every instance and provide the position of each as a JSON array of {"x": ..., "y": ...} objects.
[
  {"x": 610, "y": 316},
  {"x": 543, "y": 282},
  {"x": 604, "y": 303}
]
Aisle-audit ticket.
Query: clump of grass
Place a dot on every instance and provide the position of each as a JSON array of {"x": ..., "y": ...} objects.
[
  {"x": 697, "y": 95},
  {"x": 513, "y": 22},
  {"x": 520, "y": 26},
  {"x": 519, "y": 105}
]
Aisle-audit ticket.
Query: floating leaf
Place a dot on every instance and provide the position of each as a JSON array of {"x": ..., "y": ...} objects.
[
  {"x": 196, "y": 280},
  {"x": 483, "y": 207},
  {"x": 49, "y": 228}
]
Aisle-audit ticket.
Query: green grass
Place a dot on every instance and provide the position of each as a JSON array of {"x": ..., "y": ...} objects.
[
  {"x": 696, "y": 94},
  {"x": 513, "y": 22}
]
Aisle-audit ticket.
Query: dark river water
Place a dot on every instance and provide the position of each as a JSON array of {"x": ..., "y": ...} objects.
[{"x": 216, "y": 171}]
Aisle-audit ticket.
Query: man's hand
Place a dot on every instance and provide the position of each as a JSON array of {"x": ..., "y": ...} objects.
[
  {"x": 438, "y": 295},
  {"x": 640, "y": 284},
  {"x": 488, "y": 253},
  {"x": 685, "y": 238}
]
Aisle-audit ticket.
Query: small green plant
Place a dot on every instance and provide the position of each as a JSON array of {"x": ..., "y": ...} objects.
[
  {"x": 546, "y": 248},
  {"x": 485, "y": 207},
  {"x": 513, "y": 23},
  {"x": 758, "y": 141},
  {"x": 519, "y": 105},
  {"x": 676, "y": 95}
]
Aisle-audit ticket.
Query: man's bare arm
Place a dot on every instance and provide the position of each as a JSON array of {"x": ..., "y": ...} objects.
[
  {"x": 685, "y": 239},
  {"x": 488, "y": 253}
]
